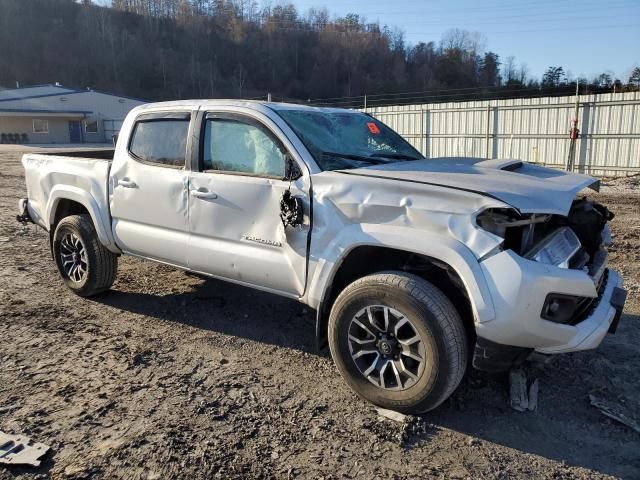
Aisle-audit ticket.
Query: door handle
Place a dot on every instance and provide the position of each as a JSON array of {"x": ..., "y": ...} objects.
[
  {"x": 205, "y": 194},
  {"x": 125, "y": 182}
]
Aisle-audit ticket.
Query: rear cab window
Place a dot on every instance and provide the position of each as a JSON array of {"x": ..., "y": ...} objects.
[{"x": 160, "y": 139}]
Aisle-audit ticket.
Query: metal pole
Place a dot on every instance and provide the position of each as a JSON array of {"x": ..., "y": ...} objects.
[
  {"x": 365, "y": 101},
  {"x": 574, "y": 132},
  {"x": 268, "y": 97},
  {"x": 577, "y": 101}
]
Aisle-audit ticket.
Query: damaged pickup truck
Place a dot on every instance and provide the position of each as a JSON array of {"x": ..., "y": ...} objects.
[{"x": 417, "y": 268}]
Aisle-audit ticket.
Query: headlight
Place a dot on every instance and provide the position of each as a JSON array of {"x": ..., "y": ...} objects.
[{"x": 556, "y": 249}]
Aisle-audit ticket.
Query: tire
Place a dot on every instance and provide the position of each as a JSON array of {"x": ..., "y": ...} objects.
[
  {"x": 97, "y": 265},
  {"x": 431, "y": 316}
]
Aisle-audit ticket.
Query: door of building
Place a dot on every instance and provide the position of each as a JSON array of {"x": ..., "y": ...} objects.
[{"x": 75, "y": 131}]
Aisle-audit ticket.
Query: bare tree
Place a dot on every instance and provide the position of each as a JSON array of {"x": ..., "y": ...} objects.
[{"x": 463, "y": 40}]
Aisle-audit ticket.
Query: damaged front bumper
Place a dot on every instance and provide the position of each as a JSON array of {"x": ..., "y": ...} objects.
[{"x": 521, "y": 289}]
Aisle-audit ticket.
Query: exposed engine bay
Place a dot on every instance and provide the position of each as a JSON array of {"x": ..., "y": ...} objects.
[{"x": 569, "y": 242}]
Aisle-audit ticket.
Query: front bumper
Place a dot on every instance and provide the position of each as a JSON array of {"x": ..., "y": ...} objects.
[{"x": 519, "y": 288}]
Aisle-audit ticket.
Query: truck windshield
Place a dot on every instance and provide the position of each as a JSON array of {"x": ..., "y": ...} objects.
[{"x": 344, "y": 140}]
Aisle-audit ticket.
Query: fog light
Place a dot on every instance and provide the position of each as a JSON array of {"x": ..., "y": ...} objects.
[{"x": 559, "y": 308}]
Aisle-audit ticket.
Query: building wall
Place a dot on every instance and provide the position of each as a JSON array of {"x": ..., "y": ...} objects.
[
  {"x": 58, "y": 129},
  {"x": 103, "y": 107}
]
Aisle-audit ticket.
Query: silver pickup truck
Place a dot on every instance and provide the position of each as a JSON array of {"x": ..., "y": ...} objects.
[{"x": 417, "y": 268}]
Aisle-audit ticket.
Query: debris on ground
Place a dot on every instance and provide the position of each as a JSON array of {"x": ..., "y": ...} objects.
[
  {"x": 614, "y": 410},
  {"x": 20, "y": 450},
  {"x": 391, "y": 415},
  {"x": 523, "y": 393},
  {"x": 9, "y": 408}
]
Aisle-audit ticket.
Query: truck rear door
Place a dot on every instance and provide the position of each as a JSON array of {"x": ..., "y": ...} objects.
[
  {"x": 235, "y": 186},
  {"x": 149, "y": 202}
]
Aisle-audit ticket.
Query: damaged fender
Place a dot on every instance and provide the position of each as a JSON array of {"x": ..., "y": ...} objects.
[
  {"x": 432, "y": 221},
  {"x": 446, "y": 250}
]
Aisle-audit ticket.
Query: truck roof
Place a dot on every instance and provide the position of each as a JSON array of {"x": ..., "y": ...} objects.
[{"x": 259, "y": 105}]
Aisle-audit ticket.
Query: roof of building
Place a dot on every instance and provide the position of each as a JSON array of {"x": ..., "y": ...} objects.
[
  {"x": 33, "y": 110},
  {"x": 23, "y": 93}
]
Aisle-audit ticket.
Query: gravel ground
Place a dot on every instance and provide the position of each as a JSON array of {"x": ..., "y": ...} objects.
[{"x": 171, "y": 376}]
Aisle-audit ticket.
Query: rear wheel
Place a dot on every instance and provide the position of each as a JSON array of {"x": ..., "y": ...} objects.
[
  {"x": 84, "y": 264},
  {"x": 398, "y": 341}
]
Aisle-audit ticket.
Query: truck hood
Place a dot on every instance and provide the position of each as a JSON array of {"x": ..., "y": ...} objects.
[{"x": 528, "y": 188}]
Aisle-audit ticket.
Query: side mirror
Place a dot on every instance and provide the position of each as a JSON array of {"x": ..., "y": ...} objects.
[
  {"x": 291, "y": 168},
  {"x": 291, "y": 212}
]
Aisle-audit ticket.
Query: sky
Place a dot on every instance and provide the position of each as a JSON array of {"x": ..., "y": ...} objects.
[{"x": 585, "y": 37}]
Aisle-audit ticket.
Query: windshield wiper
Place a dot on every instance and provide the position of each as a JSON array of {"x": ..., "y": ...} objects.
[
  {"x": 359, "y": 158},
  {"x": 397, "y": 156}
]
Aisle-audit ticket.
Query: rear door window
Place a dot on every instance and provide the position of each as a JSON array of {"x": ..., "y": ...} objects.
[{"x": 161, "y": 142}]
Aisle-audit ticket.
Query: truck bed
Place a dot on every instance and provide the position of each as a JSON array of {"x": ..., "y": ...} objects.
[
  {"x": 97, "y": 154},
  {"x": 81, "y": 176}
]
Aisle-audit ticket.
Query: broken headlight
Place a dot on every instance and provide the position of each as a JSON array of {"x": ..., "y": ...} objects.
[
  {"x": 516, "y": 230},
  {"x": 556, "y": 249}
]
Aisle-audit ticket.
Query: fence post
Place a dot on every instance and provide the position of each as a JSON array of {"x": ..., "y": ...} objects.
[
  {"x": 584, "y": 138},
  {"x": 426, "y": 130},
  {"x": 488, "y": 130},
  {"x": 494, "y": 152}
]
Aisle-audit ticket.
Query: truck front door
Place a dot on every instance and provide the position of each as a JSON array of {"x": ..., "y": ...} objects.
[
  {"x": 234, "y": 212},
  {"x": 149, "y": 196}
]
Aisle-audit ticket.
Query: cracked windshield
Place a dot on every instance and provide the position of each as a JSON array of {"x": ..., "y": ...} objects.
[{"x": 344, "y": 140}]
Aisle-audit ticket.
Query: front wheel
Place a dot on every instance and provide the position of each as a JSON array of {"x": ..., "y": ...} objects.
[
  {"x": 398, "y": 341},
  {"x": 85, "y": 265}
]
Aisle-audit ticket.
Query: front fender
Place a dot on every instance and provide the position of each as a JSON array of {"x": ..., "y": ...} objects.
[
  {"x": 446, "y": 250},
  {"x": 100, "y": 220}
]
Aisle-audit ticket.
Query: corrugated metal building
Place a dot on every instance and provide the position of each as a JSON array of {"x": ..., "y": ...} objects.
[
  {"x": 58, "y": 114},
  {"x": 531, "y": 129}
]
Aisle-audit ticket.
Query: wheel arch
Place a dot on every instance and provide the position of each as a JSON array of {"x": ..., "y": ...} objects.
[
  {"x": 446, "y": 263},
  {"x": 68, "y": 200}
]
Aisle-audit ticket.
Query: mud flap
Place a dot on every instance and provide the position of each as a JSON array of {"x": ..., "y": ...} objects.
[
  {"x": 23, "y": 217},
  {"x": 618, "y": 299}
]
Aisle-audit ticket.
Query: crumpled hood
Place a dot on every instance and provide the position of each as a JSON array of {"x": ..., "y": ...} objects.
[{"x": 526, "y": 187}]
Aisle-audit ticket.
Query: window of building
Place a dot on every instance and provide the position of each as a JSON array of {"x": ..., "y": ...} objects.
[
  {"x": 232, "y": 145},
  {"x": 162, "y": 141},
  {"x": 41, "y": 126},
  {"x": 91, "y": 126}
]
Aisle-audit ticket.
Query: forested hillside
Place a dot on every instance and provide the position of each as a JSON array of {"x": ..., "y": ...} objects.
[{"x": 166, "y": 49}]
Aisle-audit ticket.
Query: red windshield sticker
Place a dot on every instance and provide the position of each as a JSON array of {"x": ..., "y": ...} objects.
[{"x": 373, "y": 128}]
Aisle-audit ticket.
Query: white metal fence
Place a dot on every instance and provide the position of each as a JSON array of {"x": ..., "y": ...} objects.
[{"x": 531, "y": 129}]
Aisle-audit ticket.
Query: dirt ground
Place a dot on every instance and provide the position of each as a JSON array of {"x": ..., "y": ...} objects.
[{"x": 171, "y": 376}]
